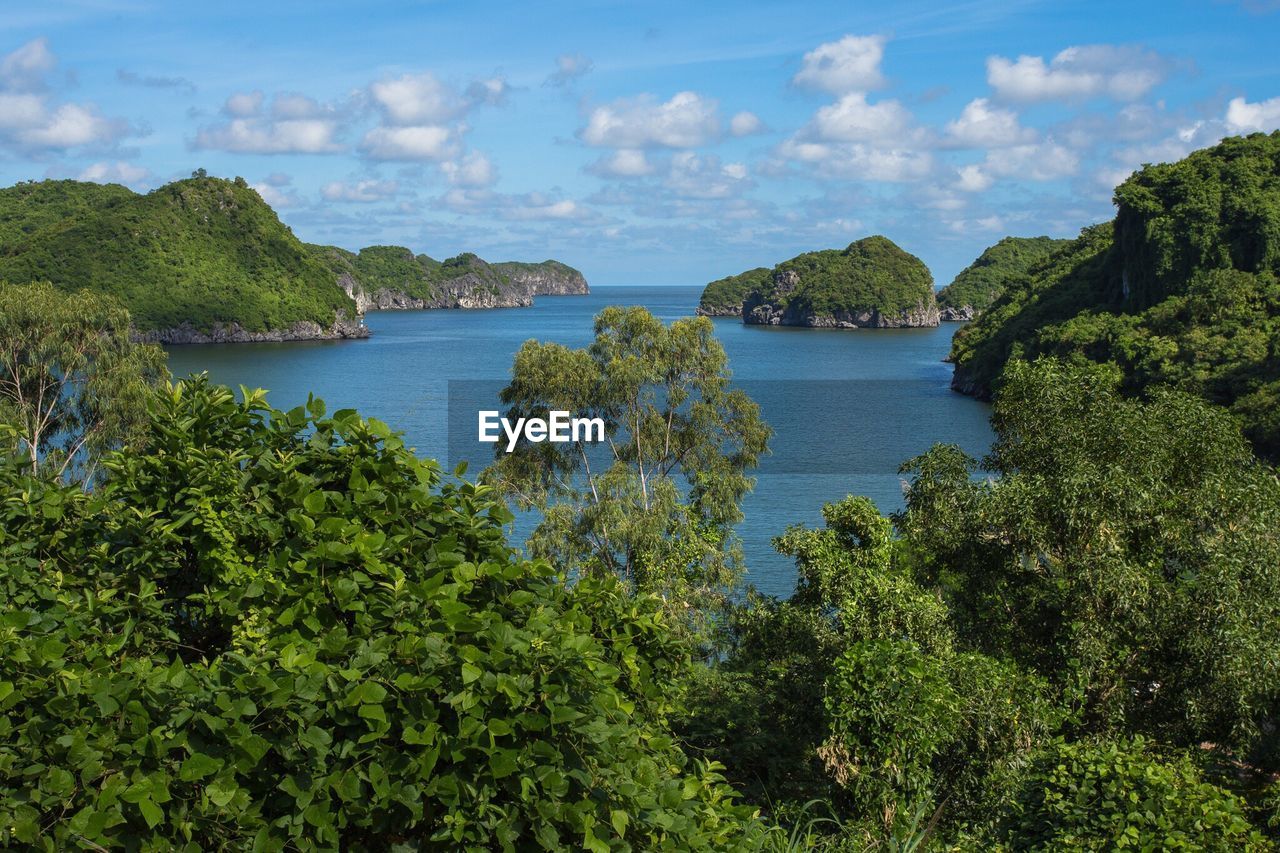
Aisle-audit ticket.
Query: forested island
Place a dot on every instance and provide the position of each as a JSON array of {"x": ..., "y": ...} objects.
[
  {"x": 1179, "y": 290},
  {"x": 207, "y": 260},
  {"x": 872, "y": 283}
]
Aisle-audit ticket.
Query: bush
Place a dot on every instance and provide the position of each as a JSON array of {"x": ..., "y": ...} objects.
[
  {"x": 1112, "y": 795},
  {"x": 281, "y": 630}
]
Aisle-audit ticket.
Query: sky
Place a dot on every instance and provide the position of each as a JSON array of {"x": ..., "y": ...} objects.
[{"x": 644, "y": 143}]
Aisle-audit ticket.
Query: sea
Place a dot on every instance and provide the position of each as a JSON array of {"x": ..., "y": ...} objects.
[{"x": 847, "y": 406}]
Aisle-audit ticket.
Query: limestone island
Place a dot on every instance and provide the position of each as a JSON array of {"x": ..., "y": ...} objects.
[
  {"x": 980, "y": 283},
  {"x": 870, "y": 284},
  {"x": 206, "y": 260}
]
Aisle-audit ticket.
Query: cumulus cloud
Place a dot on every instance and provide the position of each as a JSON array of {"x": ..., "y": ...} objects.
[
  {"x": 1244, "y": 117},
  {"x": 518, "y": 207},
  {"x": 426, "y": 142},
  {"x": 745, "y": 124},
  {"x": 417, "y": 99},
  {"x": 852, "y": 119},
  {"x": 243, "y": 104},
  {"x": 264, "y": 136},
  {"x": 1041, "y": 161},
  {"x": 30, "y": 118},
  {"x": 851, "y": 64},
  {"x": 623, "y": 163},
  {"x": 471, "y": 170},
  {"x": 569, "y": 67},
  {"x": 686, "y": 121},
  {"x": 275, "y": 196},
  {"x": 973, "y": 179},
  {"x": 359, "y": 191},
  {"x": 119, "y": 172},
  {"x": 694, "y": 176},
  {"x": 25, "y": 68},
  {"x": 981, "y": 125},
  {"x": 490, "y": 90},
  {"x": 1124, "y": 73},
  {"x": 859, "y": 160}
]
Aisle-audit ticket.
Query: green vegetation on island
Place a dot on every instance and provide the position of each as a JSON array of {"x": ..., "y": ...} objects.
[
  {"x": 978, "y": 284},
  {"x": 724, "y": 296},
  {"x": 201, "y": 252},
  {"x": 1180, "y": 290},
  {"x": 870, "y": 283}
]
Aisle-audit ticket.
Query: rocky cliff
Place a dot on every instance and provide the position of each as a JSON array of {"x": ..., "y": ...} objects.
[
  {"x": 870, "y": 284},
  {"x": 233, "y": 333}
]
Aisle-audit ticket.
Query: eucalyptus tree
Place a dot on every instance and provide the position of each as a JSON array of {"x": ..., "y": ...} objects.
[
  {"x": 654, "y": 503},
  {"x": 72, "y": 382}
]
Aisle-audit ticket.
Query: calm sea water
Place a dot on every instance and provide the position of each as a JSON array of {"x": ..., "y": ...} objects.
[{"x": 847, "y": 407}]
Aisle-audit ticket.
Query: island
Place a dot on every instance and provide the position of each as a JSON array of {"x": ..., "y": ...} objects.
[
  {"x": 206, "y": 260},
  {"x": 1178, "y": 291},
  {"x": 978, "y": 284},
  {"x": 872, "y": 283}
]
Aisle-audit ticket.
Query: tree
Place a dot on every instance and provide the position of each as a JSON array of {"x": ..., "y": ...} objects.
[
  {"x": 657, "y": 502},
  {"x": 301, "y": 636},
  {"x": 1126, "y": 549},
  {"x": 72, "y": 383}
]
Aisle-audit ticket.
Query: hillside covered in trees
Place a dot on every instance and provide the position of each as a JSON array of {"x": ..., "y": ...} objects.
[
  {"x": 978, "y": 285},
  {"x": 207, "y": 259},
  {"x": 870, "y": 283},
  {"x": 1180, "y": 289}
]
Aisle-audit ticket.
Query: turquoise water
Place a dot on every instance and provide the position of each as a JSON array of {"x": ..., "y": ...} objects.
[{"x": 847, "y": 407}]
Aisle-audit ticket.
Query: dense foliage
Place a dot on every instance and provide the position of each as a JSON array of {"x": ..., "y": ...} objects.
[
  {"x": 726, "y": 295},
  {"x": 1180, "y": 290},
  {"x": 656, "y": 503},
  {"x": 1088, "y": 631},
  {"x": 978, "y": 285},
  {"x": 202, "y": 251},
  {"x": 871, "y": 274},
  {"x": 280, "y": 630},
  {"x": 72, "y": 383}
]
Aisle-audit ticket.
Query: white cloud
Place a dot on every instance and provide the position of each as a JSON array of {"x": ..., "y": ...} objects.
[
  {"x": 360, "y": 191},
  {"x": 276, "y": 197},
  {"x": 692, "y": 176},
  {"x": 569, "y": 67},
  {"x": 525, "y": 207},
  {"x": 981, "y": 125},
  {"x": 1244, "y": 117},
  {"x": 860, "y": 161},
  {"x": 851, "y": 64},
  {"x": 471, "y": 170},
  {"x": 243, "y": 104},
  {"x": 417, "y": 99},
  {"x": 69, "y": 126},
  {"x": 852, "y": 119},
  {"x": 686, "y": 121},
  {"x": 623, "y": 163},
  {"x": 119, "y": 172},
  {"x": 491, "y": 90},
  {"x": 426, "y": 142},
  {"x": 973, "y": 179},
  {"x": 1124, "y": 73},
  {"x": 1042, "y": 161},
  {"x": 29, "y": 117},
  {"x": 745, "y": 124},
  {"x": 291, "y": 105},
  {"x": 25, "y": 68},
  {"x": 261, "y": 136}
]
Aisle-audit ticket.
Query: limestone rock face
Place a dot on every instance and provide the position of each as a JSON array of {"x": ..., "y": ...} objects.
[
  {"x": 470, "y": 284},
  {"x": 233, "y": 333},
  {"x": 957, "y": 314},
  {"x": 765, "y": 314}
]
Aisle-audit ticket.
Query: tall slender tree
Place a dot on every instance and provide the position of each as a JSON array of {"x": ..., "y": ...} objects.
[{"x": 72, "y": 382}]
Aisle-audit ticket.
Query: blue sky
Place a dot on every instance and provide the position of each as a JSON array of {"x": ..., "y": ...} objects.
[{"x": 661, "y": 143}]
